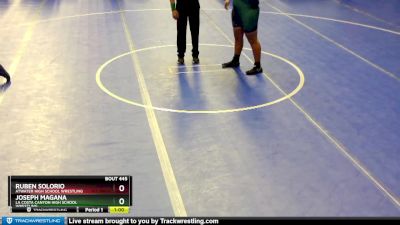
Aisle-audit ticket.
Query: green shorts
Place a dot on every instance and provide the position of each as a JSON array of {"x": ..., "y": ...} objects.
[{"x": 245, "y": 14}]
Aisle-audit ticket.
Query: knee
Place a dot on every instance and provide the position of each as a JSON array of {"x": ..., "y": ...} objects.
[
  {"x": 239, "y": 41},
  {"x": 254, "y": 41}
]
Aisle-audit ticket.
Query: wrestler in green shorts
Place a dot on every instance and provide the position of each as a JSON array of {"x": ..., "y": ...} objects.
[{"x": 245, "y": 14}]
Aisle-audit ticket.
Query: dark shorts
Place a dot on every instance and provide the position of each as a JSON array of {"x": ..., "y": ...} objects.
[{"x": 245, "y": 14}]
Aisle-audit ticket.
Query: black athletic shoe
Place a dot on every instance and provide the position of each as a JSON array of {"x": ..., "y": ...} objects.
[
  {"x": 181, "y": 61},
  {"x": 231, "y": 64},
  {"x": 196, "y": 60},
  {"x": 254, "y": 71},
  {"x": 4, "y": 74}
]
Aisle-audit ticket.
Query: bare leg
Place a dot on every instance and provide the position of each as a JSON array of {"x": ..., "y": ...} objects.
[
  {"x": 255, "y": 45},
  {"x": 238, "y": 33}
]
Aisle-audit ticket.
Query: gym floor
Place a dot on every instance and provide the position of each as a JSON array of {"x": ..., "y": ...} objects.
[{"x": 96, "y": 90}]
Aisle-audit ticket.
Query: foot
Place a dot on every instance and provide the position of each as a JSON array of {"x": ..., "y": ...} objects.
[
  {"x": 181, "y": 61},
  {"x": 231, "y": 64},
  {"x": 196, "y": 60},
  {"x": 254, "y": 71},
  {"x": 6, "y": 76}
]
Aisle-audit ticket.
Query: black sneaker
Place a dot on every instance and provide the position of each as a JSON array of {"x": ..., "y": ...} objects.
[
  {"x": 196, "y": 60},
  {"x": 4, "y": 74},
  {"x": 181, "y": 61},
  {"x": 231, "y": 64},
  {"x": 254, "y": 71}
]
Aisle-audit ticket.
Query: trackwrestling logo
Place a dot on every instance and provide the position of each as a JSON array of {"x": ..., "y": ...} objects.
[{"x": 33, "y": 220}]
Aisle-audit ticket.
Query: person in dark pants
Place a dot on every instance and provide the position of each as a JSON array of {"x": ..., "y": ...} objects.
[
  {"x": 4, "y": 73},
  {"x": 182, "y": 10}
]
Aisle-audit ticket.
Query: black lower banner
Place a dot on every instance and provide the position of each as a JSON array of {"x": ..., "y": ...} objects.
[
  {"x": 139, "y": 221},
  {"x": 206, "y": 221}
]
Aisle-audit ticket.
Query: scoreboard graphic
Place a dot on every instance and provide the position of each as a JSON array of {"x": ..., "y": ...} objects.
[{"x": 70, "y": 194}]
